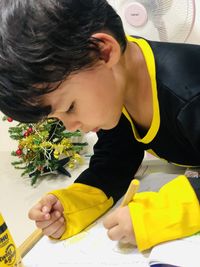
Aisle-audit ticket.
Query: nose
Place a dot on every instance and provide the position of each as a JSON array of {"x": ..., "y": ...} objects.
[{"x": 72, "y": 126}]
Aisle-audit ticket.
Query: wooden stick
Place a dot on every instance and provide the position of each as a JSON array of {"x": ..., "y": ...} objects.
[
  {"x": 132, "y": 190},
  {"x": 30, "y": 242}
]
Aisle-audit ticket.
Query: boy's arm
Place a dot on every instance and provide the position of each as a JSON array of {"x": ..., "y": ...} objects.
[
  {"x": 174, "y": 211},
  {"x": 171, "y": 213},
  {"x": 116, "y": 159}
]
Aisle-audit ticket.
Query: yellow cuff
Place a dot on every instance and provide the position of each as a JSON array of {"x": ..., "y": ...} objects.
[
  {"x": 82, "y": 204},
  {"x": 171, "y": 213}
]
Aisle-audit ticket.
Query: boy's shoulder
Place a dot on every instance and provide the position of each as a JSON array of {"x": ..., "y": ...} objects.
[{"x": 177, "y": 67}]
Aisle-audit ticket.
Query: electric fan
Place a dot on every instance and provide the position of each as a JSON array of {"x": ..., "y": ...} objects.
[{"x": 159, "y": 20}]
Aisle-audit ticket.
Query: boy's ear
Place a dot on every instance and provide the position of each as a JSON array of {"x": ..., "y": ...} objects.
[{"x": 110, "y": 49}]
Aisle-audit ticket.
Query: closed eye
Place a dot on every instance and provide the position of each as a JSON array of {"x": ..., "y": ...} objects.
[{"x": 71, "y": 108}]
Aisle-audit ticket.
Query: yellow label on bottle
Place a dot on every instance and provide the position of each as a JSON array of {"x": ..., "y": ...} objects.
[{"x": 9, "y": 255}]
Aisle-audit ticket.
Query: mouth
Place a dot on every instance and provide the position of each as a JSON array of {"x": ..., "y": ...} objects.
[{"x": 95, "y": 130}]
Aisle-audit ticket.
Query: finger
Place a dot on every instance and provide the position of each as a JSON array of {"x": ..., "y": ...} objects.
[
  {"x": 125, "y": 240},
  {"x": 128, "y": 240},
  {"x": 54, "y": 216},
  {"x": 37, "y": 214},
  {"x": 115, "y": 233},
  {"x": 48, "y": 202},
  {"x": 58, "y": 206},
  {"x": 54, "y": 227},
  {"x": 59, "y": 232},
  {"x": 111, "y": 220}
]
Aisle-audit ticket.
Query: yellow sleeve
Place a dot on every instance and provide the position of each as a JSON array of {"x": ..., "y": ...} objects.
[
  {"x": 82, "y": 204},
  {"x": 171, "y": 213}
]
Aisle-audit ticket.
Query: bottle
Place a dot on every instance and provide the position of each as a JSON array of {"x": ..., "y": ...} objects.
[{"x": 9, "y": 254}]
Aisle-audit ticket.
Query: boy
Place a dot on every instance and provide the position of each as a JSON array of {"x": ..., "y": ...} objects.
[{"x": 71, "y": 60}]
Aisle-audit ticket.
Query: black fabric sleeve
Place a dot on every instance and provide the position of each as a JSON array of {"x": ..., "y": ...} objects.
[
  {"x": 189, "y": 125},
  {"x": 195, "y": 183},
  {"x": 117, "y": 156},
  {"x": 189, "y": 122}
]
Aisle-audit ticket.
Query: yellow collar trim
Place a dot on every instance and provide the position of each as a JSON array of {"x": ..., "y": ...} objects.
[{"x": 155, "y": 124}]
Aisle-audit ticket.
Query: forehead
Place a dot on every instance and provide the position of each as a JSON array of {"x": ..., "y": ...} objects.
[
  {"x": 54, "y": 97},
  {"x": 76, "y": 84}
]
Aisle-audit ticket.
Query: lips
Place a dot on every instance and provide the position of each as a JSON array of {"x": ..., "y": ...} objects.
[{"x": 95, "y": 130}]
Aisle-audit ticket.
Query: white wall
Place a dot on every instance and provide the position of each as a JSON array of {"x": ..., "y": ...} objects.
[
  {"x": 6, "y": 144},
  {"x": 195, "y": 35}
]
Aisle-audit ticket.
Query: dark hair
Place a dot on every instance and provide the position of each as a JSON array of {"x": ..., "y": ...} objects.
[{"x": 42, "y": 42}]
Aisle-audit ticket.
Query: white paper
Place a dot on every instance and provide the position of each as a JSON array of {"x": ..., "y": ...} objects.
[
  {"x": 92, "y": 247},
  {"x": 183, "y": 252}
]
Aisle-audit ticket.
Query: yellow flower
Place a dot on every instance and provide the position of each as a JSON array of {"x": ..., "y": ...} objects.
[{"x": 56, "y": 154}]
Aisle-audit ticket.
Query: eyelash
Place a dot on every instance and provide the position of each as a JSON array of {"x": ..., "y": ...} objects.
[{"x": 71, "y": 108}]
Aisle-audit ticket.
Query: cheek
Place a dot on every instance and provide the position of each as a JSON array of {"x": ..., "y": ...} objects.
[
  {"x": 108, "y": 115},
  {"x": 102, "y": 103}
]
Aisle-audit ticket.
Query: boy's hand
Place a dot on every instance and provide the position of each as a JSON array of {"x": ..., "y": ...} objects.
[
  {"x": 119, "y": 225},
  {"x": 48, "y": 216}
]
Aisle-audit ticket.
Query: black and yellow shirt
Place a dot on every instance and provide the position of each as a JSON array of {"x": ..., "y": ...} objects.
[{"x": 174, "y": 135}]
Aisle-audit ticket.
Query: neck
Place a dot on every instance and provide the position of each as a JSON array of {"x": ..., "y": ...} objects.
[{"x": 138, "y": 94}]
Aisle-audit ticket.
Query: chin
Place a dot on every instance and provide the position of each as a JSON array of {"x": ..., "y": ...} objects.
[
  {"x": 111, "y": 126},
  {"x": 112, "y": 123},
  {"x": 115, "y": 123}
]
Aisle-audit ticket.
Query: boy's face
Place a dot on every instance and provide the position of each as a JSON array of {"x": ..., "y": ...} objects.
[{"x": 88, "y": 101}]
